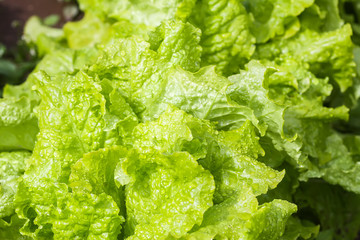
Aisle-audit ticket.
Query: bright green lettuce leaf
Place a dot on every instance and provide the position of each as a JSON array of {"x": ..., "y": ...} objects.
[
  {"x": 44, "y": 37},
  {"x": 74, "y": 214},
  {"x": 262, "y": 84},
  {"x": 85, "y": 215},
  {"x": 251, "y": 88},
  {"x": 85, "y": 114},
  {"x": 228, "y": 155},
  {"x": 94, "y": 173},
  {"x": 308, "y": 119},
  {"x": 22, "y": 90},
  {"x": 136, "y": 67},
  {"x": 226, "y": 39},
  {"x": 171, "y": 132},
  {"x": 248, "y": 89},
  {"x": 166, "y": 195},
  {"x": 298, "y": 112},
  {"x": 56, "y": 62},
  {"x": 34, "y": 28},
  {"x": 195, "y": 169},
  {"x": 91, "y": 30},
  {"x": 240, "y": 217},
  {"x": 150, "y": 13},
  {"x": 293, "y": 83},
  {"x": 73, "y": 120},
  {"x": 202, "y": 94},
  {"x": 176, "y": 44},
  {"x": 328, "y": 54},
  {"x": 227, "y": 219},
  {"x": 12, "y": 165},
  {"x": 323, "y": 15},
  {"x": 66, "y": 61},
  {"x": 271, "y": 18},
  {"x": 231, "y": 159},
  {"x": 86, "y": 32},
  {"x": 262, "y": 225},
  {"x": 18, "y": 124},
  {"x": 128, "y": 63},
  {"x": 120, "y": 116},
  {"x": 124, "y": 28}
]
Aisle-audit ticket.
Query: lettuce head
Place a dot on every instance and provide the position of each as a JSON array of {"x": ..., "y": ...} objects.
[{"x": 186, "y": 119}]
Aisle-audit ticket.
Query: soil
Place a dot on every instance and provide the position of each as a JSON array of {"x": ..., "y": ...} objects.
[{"x": 14, "y": 13}]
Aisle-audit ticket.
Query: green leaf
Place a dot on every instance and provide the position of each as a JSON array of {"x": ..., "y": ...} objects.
[
  {"x": 22, "y": 90},
  {"x": 10, "y": 230},
  {"x": 176, "y": 44},
  {"x": 91, "y": 30},
  {"x": 18, "y": 124},
  {"x": 166, "y": 195},
  {"x": 202, "y": 94},
  {"x": 271, "y": 18},
  {"x": 349, "y": 11},
  {"x": 251, "y": 89},
  {"x": 226, "y": 39},
  {"x": 94, "y": 173},
  {"x": 12, "y": 165},
  {"x": 240, "y": 217},
  {"x": 328, "y": 54},
  {"x": 85, "y": 215},
  {"x": 53, "y": 63},
  {"x": 149, "y": 13},
  {"x": 73, "y": 120},
  {"x": 228, "y": 155},
  {"x": 315, "y": 149},
  {"x": 135, "y": 66},
  {"x": 296, "y": 229},
  {"x": 51, "y": 20},
  {"x": 133, "y": 134},
  {"x": 44, "y": 37},
  {"x": 322, "y": 16}
]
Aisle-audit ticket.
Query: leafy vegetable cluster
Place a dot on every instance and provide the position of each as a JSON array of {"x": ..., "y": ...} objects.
[{"x": 187, "y": 119}]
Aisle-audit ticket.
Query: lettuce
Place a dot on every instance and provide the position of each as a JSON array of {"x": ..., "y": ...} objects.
[
  {"x": 18, "y": 124},
  {"x": 186, "y": 119}
]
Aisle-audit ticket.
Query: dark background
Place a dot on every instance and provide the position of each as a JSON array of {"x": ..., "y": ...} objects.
[
  {"x": 16, "y": 58},
  {"x": 14, "y": 13}
]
